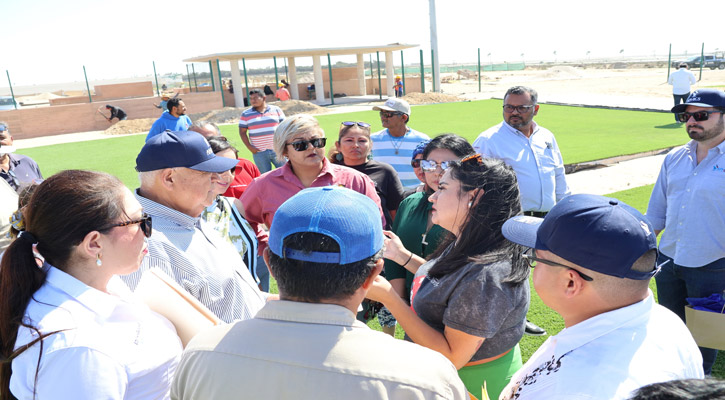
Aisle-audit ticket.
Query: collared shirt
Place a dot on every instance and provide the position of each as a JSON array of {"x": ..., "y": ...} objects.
[
  {"x": 398, "y": 152},
  {"x": 688, "y": 202},
  {"x": 261, "y": 125},
  {"x": 536, "y": 160},
  {"x": 294, "y": 350},
  {"x": 266, "y": 193},
  {"x": 609, "y": 355},
  {"x": 168, "y": 121},
  {"x": 112, "y": 347},
  {"x": 201, "y": 261},
  {"x": 681, "y": 81},
  {"x": 22, "y": 170}
]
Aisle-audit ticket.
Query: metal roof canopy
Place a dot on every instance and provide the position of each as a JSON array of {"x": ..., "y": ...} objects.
[{"x": 333, "y": 51}]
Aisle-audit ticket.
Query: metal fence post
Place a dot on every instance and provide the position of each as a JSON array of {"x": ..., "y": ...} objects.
[
  {"x": 188, "y": 77},
  {"x": 156, "y": 77},
  {"x": 422, "y": 73},
  {"x": 380, "y": 82},
  {"x": 702, "y": 60},
  {"x": 221, "y": 82},
  {"x": 211, "y": 75},
  {"x": 246, "y": 83},
  {"x": 329, "y": 68},
  {"x": 402, "y": 72},
  {"x": 276, "y": 76},
  {"x": 88, "y": 88},
  {"x": 10, "y": 84},
  {"x": 433, "y": 69},
  {"x": 193, "y": 71},
  {"x": 479, "y": 69}
]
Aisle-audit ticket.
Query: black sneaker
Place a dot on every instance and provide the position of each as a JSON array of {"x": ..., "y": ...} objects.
[{"x": 533, "y": 330}]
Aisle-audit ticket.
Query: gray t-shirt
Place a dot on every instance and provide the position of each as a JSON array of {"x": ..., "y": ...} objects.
[{"x": 474, "y": 300}]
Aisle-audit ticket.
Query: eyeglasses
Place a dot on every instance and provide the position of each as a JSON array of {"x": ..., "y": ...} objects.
[
  {"x": 529, "y": 256},
  {"x": 431, "y": 166},
  {"x": 415, "y": 163},
  {"x": 358, "y": 123},
  {"x": 145, "y": 222},
  {"x": 390, "y": 114},
  {"x": 699, "y": 115},
  {"x": 521, "y": 109},
  {"x": 301, "y": 145}
]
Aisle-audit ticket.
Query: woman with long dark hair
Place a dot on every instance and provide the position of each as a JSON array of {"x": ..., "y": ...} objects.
[
  {"x": 72, "y": 328},
  {"x": 469, "y": 302}
]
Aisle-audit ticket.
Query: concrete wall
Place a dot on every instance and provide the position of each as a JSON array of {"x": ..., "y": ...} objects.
[{"x": 47, "y": 121}]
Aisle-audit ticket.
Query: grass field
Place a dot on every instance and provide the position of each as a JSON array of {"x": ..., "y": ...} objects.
[{"x": 583, "y": 134}]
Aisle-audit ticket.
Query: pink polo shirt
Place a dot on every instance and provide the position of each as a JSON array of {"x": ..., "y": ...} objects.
[{"x": 266, "y": 193}]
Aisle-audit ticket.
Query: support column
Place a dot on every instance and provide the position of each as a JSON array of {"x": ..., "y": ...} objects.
[
  {"x": 292, "y": 72},
  {"x": 319, "y": 85},
  {"x": 237, "y": 84},
  {"x": 362, "y": 90},
  {"x": 215, "y": 75},
  {"x": 389, "y": 74}
]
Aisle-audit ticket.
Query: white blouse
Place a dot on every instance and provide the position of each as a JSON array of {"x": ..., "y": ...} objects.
[{"x": 113, "y": 347}]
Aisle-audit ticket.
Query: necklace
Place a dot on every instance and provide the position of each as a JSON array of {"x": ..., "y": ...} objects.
[{"x": 397, "y": 142}]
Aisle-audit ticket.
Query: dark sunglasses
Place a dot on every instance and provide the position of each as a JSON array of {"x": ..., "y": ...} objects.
[
  {"x": 533, "y": 260},
  {"x": 699, "y": 115},
  {"x": 144, "y": 221},
  {"x": 358, "y": 123},
  {"x": 431, "y": 166},
  {"x": 301, "y": 145},
  {"x": 389, "y": 114}
]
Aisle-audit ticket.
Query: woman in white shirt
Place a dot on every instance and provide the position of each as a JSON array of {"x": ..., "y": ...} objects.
[{"x": 71, "y": 328}]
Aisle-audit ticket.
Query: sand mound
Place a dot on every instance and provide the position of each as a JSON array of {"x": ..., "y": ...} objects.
[
  {"x": 428, "y": 98},
  {"x": 292, "y": 107},
  {"x": 226, "y": 115},
  {"x": 130, "y": 126},
  {"x": 562, "y": 72}
]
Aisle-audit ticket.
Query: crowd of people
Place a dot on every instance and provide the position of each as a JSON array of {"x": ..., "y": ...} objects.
[{"x": 436, "y": 235}]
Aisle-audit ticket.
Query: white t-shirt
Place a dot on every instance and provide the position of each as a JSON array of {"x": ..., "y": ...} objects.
[
  {"x": 609, "y": 356},
  {"x": 681, "y": 81}
]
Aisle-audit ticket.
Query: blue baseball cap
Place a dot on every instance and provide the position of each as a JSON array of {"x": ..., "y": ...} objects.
[
  {"x": 351, "y": 219},
  {"x": 186, "y": 149},
  {"x": 3, "y": 127},
  {"x": 419, "y": 149},
  {"x": 702, "y": 98},
  {"x": 599, "y": 233}
]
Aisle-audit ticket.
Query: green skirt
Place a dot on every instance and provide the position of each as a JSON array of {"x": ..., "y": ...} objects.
[{"x": 496, "y": 374}]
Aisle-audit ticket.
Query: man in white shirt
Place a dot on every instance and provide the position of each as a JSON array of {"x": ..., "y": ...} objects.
[
  {"x": 532, "y": 151},
  {"x": 594, "y": 257},
  {"x": 325, "y": 250},
  {"x": 681, "y": 81}
]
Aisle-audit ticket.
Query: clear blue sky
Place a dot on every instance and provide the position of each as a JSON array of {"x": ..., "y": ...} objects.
[{"x": 49, "y": 40}]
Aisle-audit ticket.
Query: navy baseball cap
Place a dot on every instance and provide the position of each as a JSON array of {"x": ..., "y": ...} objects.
[
  {"x": 186, "y": 149},
  {"x": 419, "y": 149},
  {"x": 599, "y": 233},
  {"x": 351, "y": 219},
  {"x": 702, "y": 98}
]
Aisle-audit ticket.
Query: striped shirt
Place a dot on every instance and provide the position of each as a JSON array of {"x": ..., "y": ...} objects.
[
  {"x": 398, "y": 152},
  {"x": 201, "y": 261},
  {"x": 260, "y": 126}
]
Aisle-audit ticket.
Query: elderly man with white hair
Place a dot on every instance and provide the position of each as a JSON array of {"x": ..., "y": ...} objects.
[{"x": 177, "y": 171}]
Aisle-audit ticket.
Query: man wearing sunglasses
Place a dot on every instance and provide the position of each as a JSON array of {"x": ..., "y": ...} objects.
[
  {"x": 395, "y": 144},
  {"x": 532, "y": 152},
  {"x": 178, "y": 171},
  {"x": 592, "y": 259},
  {"x": 688, "y": 202}
]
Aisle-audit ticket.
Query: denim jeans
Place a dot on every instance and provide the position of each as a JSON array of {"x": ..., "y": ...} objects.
[
  {"x": 675, "y": 283},
  {"x": 263, "y": 274},
  {"x": 680, "y": 98},
  {"x": 265, "y": 159}
]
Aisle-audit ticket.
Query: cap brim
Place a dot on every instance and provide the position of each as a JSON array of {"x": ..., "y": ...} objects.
[
  {"x": 680, "y": 108},
  {"x": 384, "y": 108},
  {"x": 216, "y": 164},
  {"x": 522, "y": 229}
]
